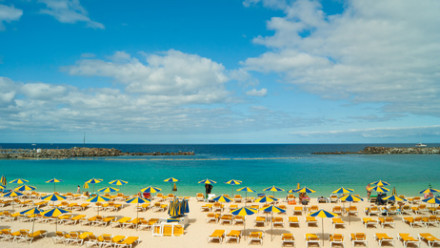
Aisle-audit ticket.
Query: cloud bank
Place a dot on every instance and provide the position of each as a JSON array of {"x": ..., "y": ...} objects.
[
  {"x": 9, "y": 14},
  {"x": 375, "y": 51}
]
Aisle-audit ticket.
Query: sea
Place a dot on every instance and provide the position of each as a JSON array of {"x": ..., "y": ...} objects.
[{"x": 258, "y": 166}]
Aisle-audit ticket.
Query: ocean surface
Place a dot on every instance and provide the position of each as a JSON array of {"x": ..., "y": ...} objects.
[{"x": 258, "y": 166}]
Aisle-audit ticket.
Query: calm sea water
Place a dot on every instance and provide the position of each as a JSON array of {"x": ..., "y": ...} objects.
[{"x": 258, "y": 166}]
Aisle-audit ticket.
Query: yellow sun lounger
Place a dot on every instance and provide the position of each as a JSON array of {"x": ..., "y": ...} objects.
[
  {"x": 287, "y": 239},
  {"x": 359, "y": 238},
  {"x": 293, "y": 220},
  {"x": 256, "y": 237},
  {"x": 367, "y": 221},
  {"x": 430, "y": 239},
  {"x": 406, "y": 239},
  {"x": 383, "y": 237},
  {"x": 338, "y": 222},
  {"x": 128, "y": 242},
  {"x": 233, "y": 235},
  {"x": 336, "y": 239},
  {"x": 310, "y": 220},
  {"x": 217, "y": 235},
  {"x": 260, "y": 221},
  {"x": 312, "y": 238}
]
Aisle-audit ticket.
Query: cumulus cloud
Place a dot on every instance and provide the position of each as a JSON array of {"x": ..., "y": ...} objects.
[
  {"x": 69, "y": 11},
  {"x": 372, "y": 52},
  {"x": 172, "y": 77},
  {"x": 9, "y": 14},
  {"x": 255, "y": 92}
]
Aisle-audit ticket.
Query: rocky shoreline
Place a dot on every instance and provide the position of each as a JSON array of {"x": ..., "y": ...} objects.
[
  {"x": 387, "y": 150},
  {"x": 78, "y": 152}
]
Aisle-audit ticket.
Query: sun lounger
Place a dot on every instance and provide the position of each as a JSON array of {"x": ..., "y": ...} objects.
[
  {"x": 430, "y": 239},
  {"x": 238, "y": 220},
  {"x": 75, "y": 220},
  {"x": 233, "y": 207},
  {"x": 383, "y": 221},
  {"x": 313, "y": 208},
  {"x": 312, "y": 238},
  {"x": 383, "y": 237},
  {"x": 430, "y": 220},
  {"x": 32, "y": 236},
  {"x": 406, "y": 209},
  {"x": 334, "y": 199},
  {"x": 336, "y": 239},
  {"x": 338, "y": 222},
  {"x": 226, "y": 219},
  {"x": 373, "y": 211},
  {"x": 92, "y": 240},
  {"x": 367, "y": 221},
  {"x": 147, "y": 224},
  {"x": 200, "y": 197},
  {"x": 337, "y": 210},
  {"x": 217, "y": 235},
  {"x": 406, "y": 239},
  {"x": 311, "y": 220},
  {"x": 391, "y": 210},
  {"x": 287, "y": 239},
  {"x": 233, "y": 235},
  {"x": 297, "y": 210},
  {"x": 260, "y": 221},
  {"x": 212, "y": 217},
  {"x": 293, "y": 221},
  {"x": 256, "y": 237},
  {"x": 105, "y": 240},
  {"x": 277, "y": 222},
  {"x": 72, "y": 238},
  {"x": 121, "y": 221},
  {"x": 238, "y": 199},
  {"x": 6, "y": 235},
  {"x": 217, "y": 207},
  {"x": 359, "y": 238},
  {"x": 142, "y": 207},
  {"x": 128, "y": 242},
  {"x": 206, "y": 207},
  {"x": 412, "y": 221},
  {"x": 352, "y": 210}
]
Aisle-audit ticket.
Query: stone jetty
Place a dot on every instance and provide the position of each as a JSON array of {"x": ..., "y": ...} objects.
[
  {"x": 77, "y": 152},
  {"x": 388, "y": 150}
]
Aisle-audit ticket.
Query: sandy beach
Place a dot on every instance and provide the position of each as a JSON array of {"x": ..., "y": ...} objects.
[{"x": 197, "y": 230}]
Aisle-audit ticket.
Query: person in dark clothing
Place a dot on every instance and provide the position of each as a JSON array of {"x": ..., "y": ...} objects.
[{"x": 208, "y": 189}]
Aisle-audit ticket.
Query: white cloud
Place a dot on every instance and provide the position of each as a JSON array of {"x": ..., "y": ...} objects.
[
  {"x": 69, "y": 11},
  {"x": 255, "y": 92},
  {"x": 375, "y": 51},
  {"x": 9, "y": 14},
  {"x": 169, "y": 78}
]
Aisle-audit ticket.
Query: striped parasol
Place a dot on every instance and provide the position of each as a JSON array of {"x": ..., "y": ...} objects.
[
  {"x": 323, "y": 214},
  {"x": 54, "y": 181},
  {"x": 19, "y": 181},
  {"x": 244, "y": 211}
]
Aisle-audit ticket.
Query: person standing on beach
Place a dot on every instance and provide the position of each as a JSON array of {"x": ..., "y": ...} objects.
[
  {"x": 208, "y": 188},
  {"x": 78, "y": 190},
  {"x": 368, "y": 188}
]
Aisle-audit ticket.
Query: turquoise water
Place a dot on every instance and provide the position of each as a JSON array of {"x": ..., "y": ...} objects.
[{"x": 323, "y": 173}]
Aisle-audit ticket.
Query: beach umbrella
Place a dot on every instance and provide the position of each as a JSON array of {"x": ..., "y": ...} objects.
[
  {"x": 323, "y": 214},
  {"x": 19, "y": 181},
  {"x": 244, "y": 211},
  {"x": 118, "y": 182},
  {"x": 12, "y": 194},
  {"x": 55, "y": 212},
  {"x": 380, "y": 183},
  {"x": 222, "y": 198},
  {"x": 267, "y": 199},
  {"x": 233, "y": 182},
  {"x": 108, "y": 190},
  {"x": 304, "y": 190},
  {"x": 350, "y": 198},
  {"x": 54, "y": 181},
  {"x": 137, "y": 200},
  {"x": 151, "y": 189},
  {"x": 380, "y": 189},
  {"x": 93, "y": 181},
  {"x": 33, "y": 211},
  {"x": 25, "y": 188},
  {"x": 246, "y": 189},
  {"x": 3, "y": 180},
  {"x": 394, "y": 198},
  {"x": 343, "y": 190},
  {"x": 273, "y": 189},
  {"x": 86, "y": 186},
  {"x": 207, "y": 181},
  {"x": 2, "y": 187},
  {"x": 53, "y": 198},
  {"x": 432, "y": 200},
  {"x": 98, "y": 198},
  {"x": 429, "y": 191},
  {"x": 272, "y": 209},
  {"x": 172, "y": 180}
]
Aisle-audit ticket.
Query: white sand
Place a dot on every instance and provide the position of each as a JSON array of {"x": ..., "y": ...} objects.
[{"x": 197, "y": 232}]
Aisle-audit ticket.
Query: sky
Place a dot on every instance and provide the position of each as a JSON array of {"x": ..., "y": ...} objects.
[{"x": 219, "y": 71}]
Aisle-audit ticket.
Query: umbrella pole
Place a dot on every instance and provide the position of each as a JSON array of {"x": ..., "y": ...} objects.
[
  {"x": 245, "y": 200},
  {"x": 137, "y": 215},
  {"x": 271, "y": 227},
  {"x": 33, "y": 223},
  {"x": 322, "y": 227}
]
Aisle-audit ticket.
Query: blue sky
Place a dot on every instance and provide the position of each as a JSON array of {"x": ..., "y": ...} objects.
[{"x": 252, "y": 71}]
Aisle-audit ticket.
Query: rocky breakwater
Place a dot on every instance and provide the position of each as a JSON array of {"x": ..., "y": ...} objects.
[
  {"x": 400, "y": 150},
  {"x": 388, "y": 150},
  {"x": 76, "y": 152}
]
